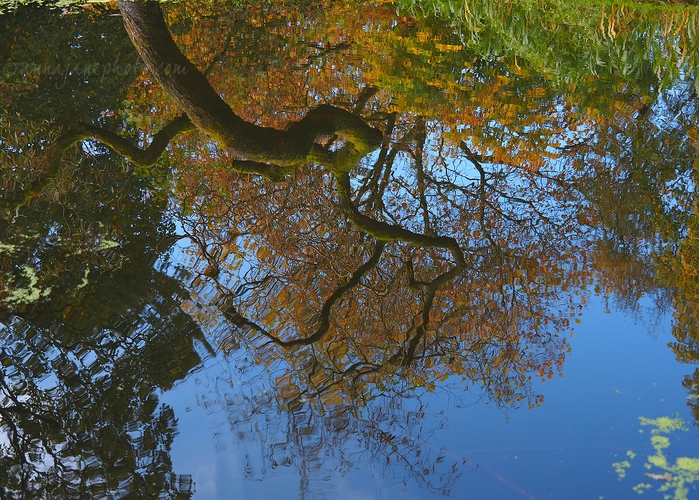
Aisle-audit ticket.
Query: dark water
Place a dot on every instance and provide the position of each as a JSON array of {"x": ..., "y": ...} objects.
[{"x": 348, "y": 251}]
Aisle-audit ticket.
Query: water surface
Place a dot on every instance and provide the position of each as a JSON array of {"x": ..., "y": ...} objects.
[{"x": 348, "y": 251}]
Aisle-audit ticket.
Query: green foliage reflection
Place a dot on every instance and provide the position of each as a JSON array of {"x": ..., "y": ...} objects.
[
  {"x": 676, "y": 477},
  {"x": 573, "y": 40}
]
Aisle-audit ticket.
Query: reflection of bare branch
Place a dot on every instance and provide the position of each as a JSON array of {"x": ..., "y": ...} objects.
[
  {"x": 420, "y": 138},
  {"x": 141, "y": 157},
  {"x": 474, "y": 159},
  {"x": 384, "y": 161},
  {"x": 376, "y": 201},
  {"x": 231, "y": 313},
  {"x": 356, "y": 371}
]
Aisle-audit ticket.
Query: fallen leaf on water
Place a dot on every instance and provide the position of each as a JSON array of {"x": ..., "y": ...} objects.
[{"x": 659, "y": 477}]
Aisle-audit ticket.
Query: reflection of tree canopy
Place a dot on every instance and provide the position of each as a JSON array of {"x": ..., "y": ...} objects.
[{"x": 348, "y": 237}]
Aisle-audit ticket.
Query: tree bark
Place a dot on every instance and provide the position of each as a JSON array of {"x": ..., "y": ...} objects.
[{"x": 190, "y": 89}]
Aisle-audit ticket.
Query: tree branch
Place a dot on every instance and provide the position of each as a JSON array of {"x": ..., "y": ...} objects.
[
  {"x": 190, "y": 89},
  {"x": 140, "y": 157},
  {"x": 80, "y": 131},
  {"x": 386, "y": 232}
]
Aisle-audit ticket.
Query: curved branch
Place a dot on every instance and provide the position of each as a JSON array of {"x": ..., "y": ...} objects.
[
  {"x": 337, "y": 295},
  {"x": 324, "y": 326},
  {"x": 387, "y": 232},
  {"x": 80, "y": 131},
  {"x": 190, "y": 89},
  {"x": 140, "y": 157}
]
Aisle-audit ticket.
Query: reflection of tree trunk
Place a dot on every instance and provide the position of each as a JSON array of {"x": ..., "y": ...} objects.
[{"x": 190, "y": 89}]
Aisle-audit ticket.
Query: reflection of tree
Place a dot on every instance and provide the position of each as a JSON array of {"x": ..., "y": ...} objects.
[
  {"x": 680, "y": 270},
  {"x": 526, "y": 219},
  {"x": 381, "y": 305},
  {"x": 637, "y": 187},
  {"x": 455, "y": 250},
  {"x": 389, "y": 436},
  {"x": 372, "y": 299}
]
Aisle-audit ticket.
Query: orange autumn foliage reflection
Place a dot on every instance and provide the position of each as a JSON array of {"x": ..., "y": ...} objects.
[{"x": 487, "y": 154}]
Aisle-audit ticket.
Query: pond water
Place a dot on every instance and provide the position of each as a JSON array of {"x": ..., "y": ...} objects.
[
  {"x": 563, "y": 449},
  {"x": 348, "y": 250}
]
